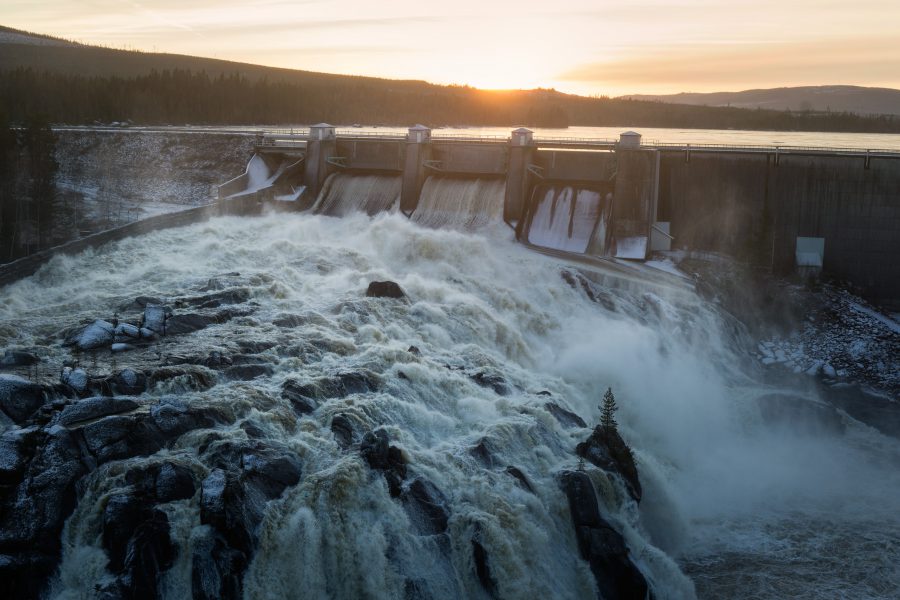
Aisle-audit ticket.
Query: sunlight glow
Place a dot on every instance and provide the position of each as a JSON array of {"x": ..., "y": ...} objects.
[{"x": 580, "y": 46}]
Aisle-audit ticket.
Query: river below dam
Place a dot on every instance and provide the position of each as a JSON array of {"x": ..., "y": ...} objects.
[{"x": 739, "y": 500}]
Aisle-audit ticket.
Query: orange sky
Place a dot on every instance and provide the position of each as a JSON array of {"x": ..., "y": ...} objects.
[{"x": 580, "y": 46}]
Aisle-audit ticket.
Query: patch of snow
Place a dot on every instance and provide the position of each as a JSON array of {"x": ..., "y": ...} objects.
[{"x": 884, "y": 319}]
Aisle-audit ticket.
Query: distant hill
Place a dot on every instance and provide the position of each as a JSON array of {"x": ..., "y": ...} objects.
[
  {"x": 834, "y": 98},
  {"x": 67, "y": 82}
]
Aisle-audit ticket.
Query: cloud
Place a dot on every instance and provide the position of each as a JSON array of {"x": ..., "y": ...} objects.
[{"x": 695, "y": 66}]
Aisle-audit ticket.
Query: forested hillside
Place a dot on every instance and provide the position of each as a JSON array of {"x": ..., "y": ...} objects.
[{"x": 82, "y": 84}]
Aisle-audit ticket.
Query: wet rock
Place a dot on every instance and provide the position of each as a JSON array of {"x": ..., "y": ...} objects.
[
  {"x": 333, "y": 386},
  {"x": 32, "y": 513},
  {"x": 269, "y": 471},
  {"x": 150, "y": 553},
  {"x": 117, "y": 437},
  {"x": 217, "y": 299},
  {"x": 248, "y": 372},
  {"x": 162, "y": 482},
  {"x": 519, "y": 476},
  {"x": 96, "y": 335},
  {"x": 76, "y": 379},
  {"x": 414, "y": 350},
  {"x": 187, "y": 323},
  {"x": 288, "y": 321},
  {"x": 216, "y": 569},
  {"x": 189, "y": 377},
  {"x": 482, "y": 453},
  {"x": 301, "y": 397},
  {"x": 565, "y": 417},
  {"x": 156, "y": 317},
  {"x": 384, "y": 289},
  {"x": 126, "y": 331},
  {"x": 118, "y": 347},
  {"x": 93, "y": 408},
  {"x": 253, "y": 430},
  {"x": 138, "y": 544},
  {"x": 174, "y": 482},
  {"x": 602, "y": 546},
  {"x": 426, "y": 507},
  {"x": 140, "y": 303},
  {"x": 18, "y": 358},
  {"x": 17, "y": 446},
  {"x": 800, "y": 414},
  {"x": 255, "y": 346},
  {"x": 380, "y": 455},
  {"x": 20, "y": 398},
  {"x": 482, "y": 565},
  {"x": 493, "y": 381},
  {"x": 342, "y": 428},
  {"x": 129, "y": 382},
  {"x": 606, "y": 449},
  {"x": 220, "y": 282}
]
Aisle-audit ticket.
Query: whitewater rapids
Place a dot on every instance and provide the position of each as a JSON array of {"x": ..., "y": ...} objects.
[{"x": 733, "y": 507}]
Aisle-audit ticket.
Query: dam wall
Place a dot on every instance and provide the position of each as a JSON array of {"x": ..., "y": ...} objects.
[
  {"x": 624, "y": 199},
  {"x": 755, "y": 205}
]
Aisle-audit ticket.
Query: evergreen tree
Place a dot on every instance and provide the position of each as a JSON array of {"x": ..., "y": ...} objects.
[
  {"x": 607, "y": 411},
  {"x": 40, "y": 148},
  {"x": 7, "y": 190}
]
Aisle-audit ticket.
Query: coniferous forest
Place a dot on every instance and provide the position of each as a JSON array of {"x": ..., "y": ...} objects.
[{"x": 180, "y": 96}]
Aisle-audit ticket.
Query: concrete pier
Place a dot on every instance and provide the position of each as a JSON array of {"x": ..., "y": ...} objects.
[
  {"x": 320, "y": 147},
  {"x": 418, "y": 153}
]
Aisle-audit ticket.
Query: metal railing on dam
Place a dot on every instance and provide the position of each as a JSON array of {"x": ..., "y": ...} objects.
[{"x": 293, "y": 138}]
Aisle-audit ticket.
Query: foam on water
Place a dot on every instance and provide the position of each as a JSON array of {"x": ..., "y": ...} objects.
[
  {"x": 566, "y": 217},
  {"x": 750, "y": 509},
  {"x": 463, "y": 204}
]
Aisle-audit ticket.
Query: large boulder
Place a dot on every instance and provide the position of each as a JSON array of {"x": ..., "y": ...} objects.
[
  {"x": 20, "y": 398},
  {"x": 93, "y": 408},
  {"x": 602, "y": 546},
  {"x": 18, "y": 358},
  {"x": 381, "y": 456},
  {"x": 426, "y": 506},
  {"x": 98, "y": 334},
  {"x": 606, "y": 449},
  {"x": 566, "y": 418},
  {"x": 384, "y": 289},
  {"x": 155, "y": 318}
]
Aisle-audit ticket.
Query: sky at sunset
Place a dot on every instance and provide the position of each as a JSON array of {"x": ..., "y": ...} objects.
[{"x": 579, "y": 46}]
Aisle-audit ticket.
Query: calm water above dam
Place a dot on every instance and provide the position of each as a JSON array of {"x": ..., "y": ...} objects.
[{"x": 737, "y": 137}]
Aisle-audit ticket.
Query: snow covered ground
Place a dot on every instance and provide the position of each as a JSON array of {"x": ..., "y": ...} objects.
[{"x": 842, "y": 338}]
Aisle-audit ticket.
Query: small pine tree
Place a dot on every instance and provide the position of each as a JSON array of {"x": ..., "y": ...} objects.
[{"x": 608, "y": 411}]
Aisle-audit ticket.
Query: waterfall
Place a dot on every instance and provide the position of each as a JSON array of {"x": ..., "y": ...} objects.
[
  {"x": 566, "y": 217},
  {"x": 344, "y": 193},
  {"x": 459, "y": 376},
  {"x": 460, "y": 203}
]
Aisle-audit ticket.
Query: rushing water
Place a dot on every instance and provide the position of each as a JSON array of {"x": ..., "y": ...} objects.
[
  {"x": 343, "y": 194},
  {"x": 749, "y": 509},
  {"x": 565, "y": 218}
]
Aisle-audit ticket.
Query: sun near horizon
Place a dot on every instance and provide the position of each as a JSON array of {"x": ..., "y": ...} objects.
[{"x": 585, "y": 47}]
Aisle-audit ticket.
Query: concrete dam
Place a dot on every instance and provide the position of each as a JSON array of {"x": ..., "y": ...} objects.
[{"x": 785, "y": 208}]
